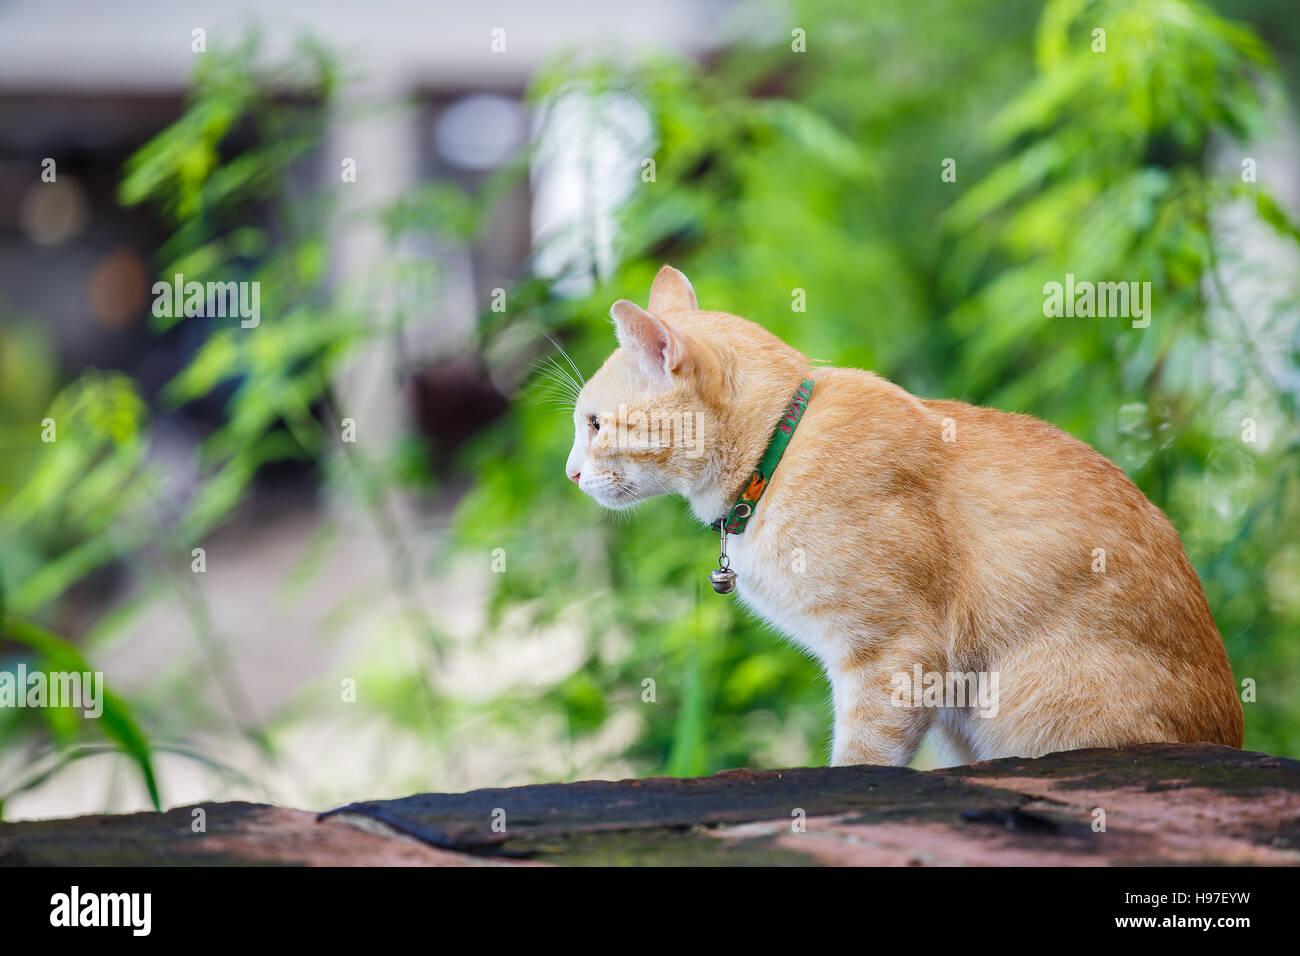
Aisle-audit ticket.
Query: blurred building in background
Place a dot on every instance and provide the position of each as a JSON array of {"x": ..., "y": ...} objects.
[{"x": 87, "y": 83}]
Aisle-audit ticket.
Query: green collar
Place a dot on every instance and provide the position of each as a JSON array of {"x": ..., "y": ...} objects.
[{"x": 735, "y": 520}]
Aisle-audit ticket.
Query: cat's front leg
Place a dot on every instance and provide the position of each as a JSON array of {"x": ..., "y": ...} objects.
[{"x": 873, "y": 724}]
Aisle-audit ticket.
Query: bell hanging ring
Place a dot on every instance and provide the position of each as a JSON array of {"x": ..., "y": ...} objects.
[{"x": 723, "y": 580}]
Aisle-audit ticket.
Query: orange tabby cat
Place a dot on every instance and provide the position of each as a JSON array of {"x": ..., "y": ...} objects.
[{"x": 913, "y": 545}]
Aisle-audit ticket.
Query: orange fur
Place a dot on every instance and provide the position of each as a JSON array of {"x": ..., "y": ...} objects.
[{"x": 880, "y": 546}]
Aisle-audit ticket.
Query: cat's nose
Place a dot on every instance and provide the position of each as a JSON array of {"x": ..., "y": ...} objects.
[{"x": 574, "y": 476}]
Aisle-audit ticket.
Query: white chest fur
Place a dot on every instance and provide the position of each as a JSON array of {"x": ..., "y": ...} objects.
[{"x": 773, "y": 580}]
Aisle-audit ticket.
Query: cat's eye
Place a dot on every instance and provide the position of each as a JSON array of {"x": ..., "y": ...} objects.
[{"x": 594, "y": 422}]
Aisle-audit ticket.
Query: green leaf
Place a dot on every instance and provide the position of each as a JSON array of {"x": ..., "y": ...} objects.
[{"x": 118, "y": 723}]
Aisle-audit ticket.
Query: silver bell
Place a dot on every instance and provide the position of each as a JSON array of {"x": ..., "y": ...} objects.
[{"x": 723, "y": 580}]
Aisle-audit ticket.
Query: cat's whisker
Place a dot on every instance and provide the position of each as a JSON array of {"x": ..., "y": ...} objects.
[
  {"x": 562, "y": 406},
  {"x": 542, "y": 365},
  {"x": 555, "y": 384},
  {"x": 552, "y": 394},
  {"x": 551, "y": 370},
  {"x": 555, "y": 388},
  {"x": 573, "y": 365},
  {"x": 558, "y": 402}
]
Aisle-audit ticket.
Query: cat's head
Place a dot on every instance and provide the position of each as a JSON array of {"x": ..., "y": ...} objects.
[{"x": 656, "y": 417}]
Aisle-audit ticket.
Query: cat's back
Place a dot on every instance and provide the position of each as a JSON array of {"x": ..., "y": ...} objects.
[
  {"x": 1009, "y": 466},
  {"x": 1024, "y": 470},
  {"x": 1023, "y": 511}
]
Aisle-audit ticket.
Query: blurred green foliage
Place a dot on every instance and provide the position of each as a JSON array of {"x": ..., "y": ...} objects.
[{"x": 775, "y": 170}]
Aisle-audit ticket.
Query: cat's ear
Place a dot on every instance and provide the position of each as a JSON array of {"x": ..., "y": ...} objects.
[
  {"x": 671, "y": 292},
  {"x": 655, "y": 345}
]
